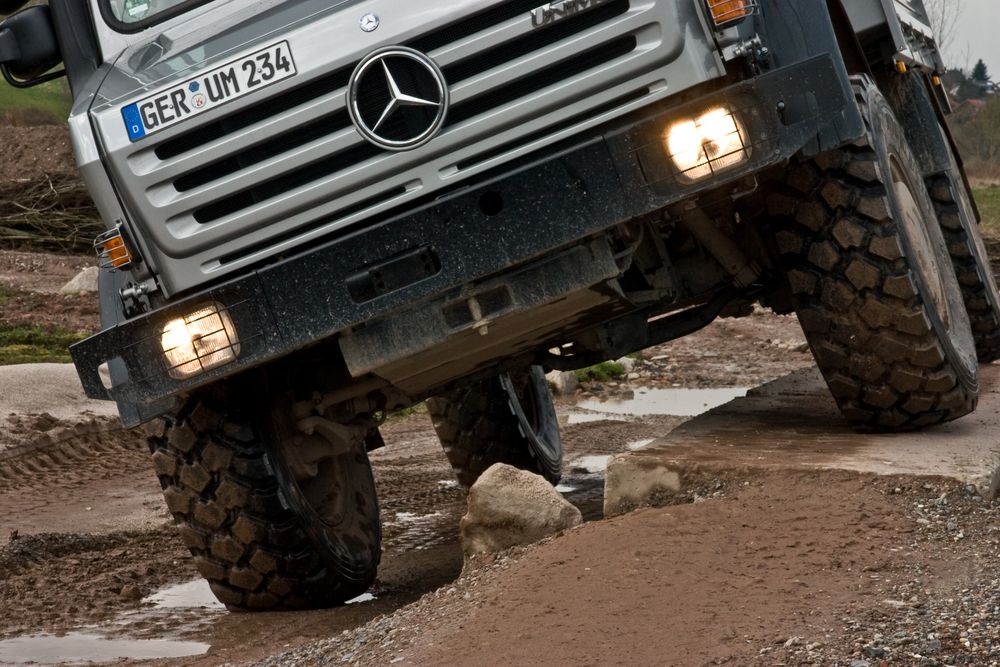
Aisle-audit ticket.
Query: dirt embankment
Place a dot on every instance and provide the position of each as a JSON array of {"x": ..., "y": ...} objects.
[
  {"x": 43, "y": 202},
  {"x": 34, "y": 153},
  {"x": 781, "y": 568}
]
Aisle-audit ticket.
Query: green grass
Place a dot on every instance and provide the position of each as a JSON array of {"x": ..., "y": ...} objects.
[
  {"x": 988, "y": 199},
  {"x": 602, "y": 372},
  {"x": 35, "y": 345},
  {"x": 406, "y": 413},
  {"x": 51, "y": 100}
]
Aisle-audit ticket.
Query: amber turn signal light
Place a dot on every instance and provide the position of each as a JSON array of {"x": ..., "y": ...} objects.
[
  {"x": 727, "y": 11},
  {"x": 113, "y": 253}
]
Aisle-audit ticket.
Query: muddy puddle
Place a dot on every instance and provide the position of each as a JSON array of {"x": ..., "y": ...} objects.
[
  {"x": 140, "y": 634},
  {"x": 76, "y": 648},
  {"x": 649, "y": 402},
  {"x": 191, "y": 595}
]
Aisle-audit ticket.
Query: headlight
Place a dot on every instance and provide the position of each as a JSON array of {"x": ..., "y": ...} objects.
[
  {"x": 199, "y": 342},
  {"x": 703, "y": 146}
]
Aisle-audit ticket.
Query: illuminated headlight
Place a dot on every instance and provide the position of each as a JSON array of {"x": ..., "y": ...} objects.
[
  {"x": 199, "y": 342},
  {"x": 704, "y": 146}
]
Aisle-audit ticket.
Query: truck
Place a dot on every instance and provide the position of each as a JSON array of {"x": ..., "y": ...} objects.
[{"x": 321, "y": 212}]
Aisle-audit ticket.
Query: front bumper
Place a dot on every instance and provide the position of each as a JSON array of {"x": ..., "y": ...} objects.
[{"x": 509, "y": 221}]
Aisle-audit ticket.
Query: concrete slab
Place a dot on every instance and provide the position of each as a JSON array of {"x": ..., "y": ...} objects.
[
  {"x": 50, "y": 388},
  {"x": 793, "y": 423},
  {"x": 44, "y": 402}
]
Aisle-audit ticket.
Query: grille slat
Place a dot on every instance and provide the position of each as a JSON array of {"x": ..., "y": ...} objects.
[
  {"x": 533, "y": 41},
  {"x": 495, "y": 82},
  {"x": 252, "y": 115},
  {"x": 579, "y": 63}
]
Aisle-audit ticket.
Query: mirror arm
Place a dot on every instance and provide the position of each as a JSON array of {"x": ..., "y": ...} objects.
[{"x": 31, "y": 82}]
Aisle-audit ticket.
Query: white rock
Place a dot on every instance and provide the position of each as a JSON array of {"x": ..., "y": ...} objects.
[
  {"x": 85, "y": 281},
  {"x": 563, "y": 383},
  {"x": 510, "y": 507},
  {"x": 627, "y": 363},
  {"x": 634, "y": 481}
]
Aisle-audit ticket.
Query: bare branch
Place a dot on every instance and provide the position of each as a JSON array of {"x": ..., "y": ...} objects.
[
  {"x": 48, "y": 214},
  {"x": 944, "y": 15}
]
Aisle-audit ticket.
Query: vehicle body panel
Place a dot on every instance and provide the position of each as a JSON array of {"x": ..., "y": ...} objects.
[
  {"x": 906, "y": 21},
  {"x": 275, "y": 206}
]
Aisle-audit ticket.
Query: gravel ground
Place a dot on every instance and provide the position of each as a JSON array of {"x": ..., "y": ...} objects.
[{"x": 932, "y": 614}]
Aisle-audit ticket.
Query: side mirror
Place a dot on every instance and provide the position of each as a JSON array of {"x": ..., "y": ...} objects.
[{"x": 28, "y": 47}]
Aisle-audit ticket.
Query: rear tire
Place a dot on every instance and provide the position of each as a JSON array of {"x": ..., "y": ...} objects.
[
  {"x": 254, "y": 531},
  {"x": 507, "y": 419},
  {"x": 873, "y": 282},
  {"x": 970, "y": 258}
]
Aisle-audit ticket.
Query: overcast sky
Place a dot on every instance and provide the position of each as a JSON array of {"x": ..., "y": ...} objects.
[{"x": 978, "y": 35}]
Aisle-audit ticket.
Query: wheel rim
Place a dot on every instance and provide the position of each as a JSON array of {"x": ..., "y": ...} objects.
[
  {"x": 914, "y": 222},
  {"x": 527, "y": 399},
  {"x": 319, "y": 473},
  {"x": 527, "y": 405},
  {"x": 326, "y": 479}
]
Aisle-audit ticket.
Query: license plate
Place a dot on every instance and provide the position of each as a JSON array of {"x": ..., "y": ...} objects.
[{"x": 208, "y": 91}]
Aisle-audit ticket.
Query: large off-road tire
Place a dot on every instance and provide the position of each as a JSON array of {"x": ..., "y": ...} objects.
[
  {"x": 873, "y": 283},
  {"x": 970, "y": 258},
  {"x": 507, "y": 419},
  {"x": 261, "y": 534}
]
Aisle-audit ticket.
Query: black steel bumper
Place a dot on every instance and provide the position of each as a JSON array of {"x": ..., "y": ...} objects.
[{"x": 509, "y": 221}]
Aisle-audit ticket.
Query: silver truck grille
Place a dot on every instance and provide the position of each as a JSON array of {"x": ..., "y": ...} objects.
[
  {"x": 285, "y": 169},
  {"x": 339, "y": 121}
]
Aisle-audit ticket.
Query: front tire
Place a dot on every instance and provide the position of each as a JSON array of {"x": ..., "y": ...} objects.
[
  {"x": 251, "y": 513},
  {"x": 508, "y": 419},
  {"x": 873, "y": 282}
]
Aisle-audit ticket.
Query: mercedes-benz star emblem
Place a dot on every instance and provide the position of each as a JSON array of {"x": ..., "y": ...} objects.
[
  {"x": 398, "y": 98},
  {"x": 370, "y": 22}
]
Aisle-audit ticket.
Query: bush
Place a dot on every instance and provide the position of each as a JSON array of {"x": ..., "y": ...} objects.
[
  {"x": 977, "y": 133},
  {"x": 601, "y": 372},
  {"x": 33, "y": 345}
]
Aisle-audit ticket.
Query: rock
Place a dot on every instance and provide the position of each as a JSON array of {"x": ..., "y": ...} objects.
[
  {"x": 85, "y": 281},
  {"x": 130, "y": 592},
  {"x": 932, "y": 646},
  {"x": 873, "y": 651},
  {"x": 860, "y": 663},
  {"x": 627, "y": 364},
  {"x": 563, "y": 383},
  {"x": 634, "y": 481},
  {"x": 510, "y": 507}
]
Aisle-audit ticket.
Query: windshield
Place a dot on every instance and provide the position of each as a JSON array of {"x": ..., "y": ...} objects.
[{"x": 134, "y": 15}]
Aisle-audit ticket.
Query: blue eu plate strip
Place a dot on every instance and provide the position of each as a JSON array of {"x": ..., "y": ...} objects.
[{"x": 133, "y": 122}]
